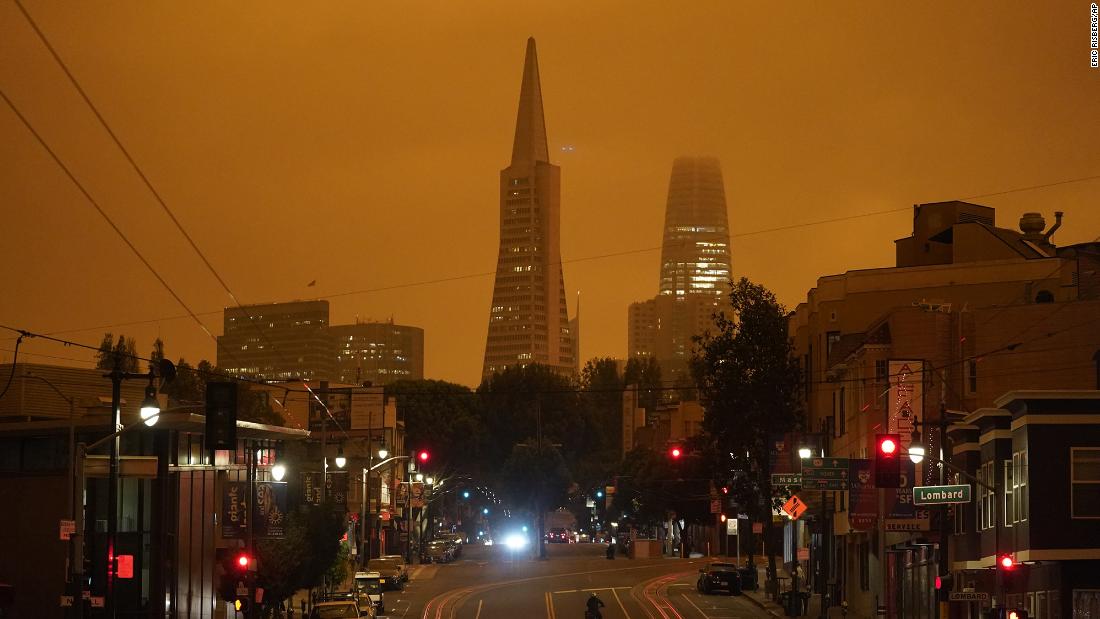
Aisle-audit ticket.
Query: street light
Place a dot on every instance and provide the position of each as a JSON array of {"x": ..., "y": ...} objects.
[
  {"x": 419, "y": 477},
  {"x": 805, "y": 452},
  {"x": 916, "y": 453},
  {"x": 383, "y": 452},
  {"x": 341, "y": 461},
  {"x": 278, "y": 471},
  {"x": 429, "y": 480},
  {"x": 150, "y": 408}
]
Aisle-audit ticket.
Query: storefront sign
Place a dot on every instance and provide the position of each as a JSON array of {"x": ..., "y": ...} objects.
[
  {"x": 311, "y": 488},
  {"x": 906, "y": 399}
]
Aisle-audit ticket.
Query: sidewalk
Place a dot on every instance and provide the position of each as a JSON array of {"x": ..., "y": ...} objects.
[{"x": 772, "y": 607}]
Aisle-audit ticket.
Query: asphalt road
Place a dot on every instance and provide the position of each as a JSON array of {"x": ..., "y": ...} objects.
[{"x": 491, "y": 582}]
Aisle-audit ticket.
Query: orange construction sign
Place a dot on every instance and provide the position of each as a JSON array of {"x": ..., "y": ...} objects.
[{"x": 794, "y": 507}]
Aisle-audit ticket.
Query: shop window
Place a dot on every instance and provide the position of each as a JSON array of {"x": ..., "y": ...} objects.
[{"x": 1085, "y": 482}]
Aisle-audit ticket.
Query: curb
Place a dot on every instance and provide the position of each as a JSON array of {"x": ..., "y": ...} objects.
[{"x": 763, "y": 606}]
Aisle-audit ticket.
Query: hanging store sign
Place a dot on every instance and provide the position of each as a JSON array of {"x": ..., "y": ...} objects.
[
  {"x": 235, "y": 509},
  {"x": 906, "y": 399},
  {"x": 270, "y": 512}
]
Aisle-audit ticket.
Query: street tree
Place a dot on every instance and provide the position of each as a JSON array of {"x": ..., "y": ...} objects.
[
  {"x": 645, "y": 373},
  {"x": 121, "y": 354},
  {"x": 443, "y": 418},
  {"x": 534, "y": 478},
  {"x": 749, "y": 385}
]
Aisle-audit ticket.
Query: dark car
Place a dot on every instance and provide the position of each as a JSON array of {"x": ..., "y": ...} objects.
[
  {"x": 719, "y": 576},
  {"x": 389, "y": 572},
  {"x": 437, "y": 551},
  {"x": 557, "y": 535}
]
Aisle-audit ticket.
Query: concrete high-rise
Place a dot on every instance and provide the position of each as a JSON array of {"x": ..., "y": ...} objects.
[
  {"x": 695, "y": 267},
  {"x": 528, "y": 320},
  {"x": 277, "y": 341}
]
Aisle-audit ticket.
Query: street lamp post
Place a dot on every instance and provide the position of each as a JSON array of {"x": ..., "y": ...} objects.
[{"x": 150, "y": 410}]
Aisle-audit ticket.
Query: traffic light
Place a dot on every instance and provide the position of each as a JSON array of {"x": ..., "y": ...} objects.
[
  {"x": 242, "y": 561},
  {"x": 241, "y": 604},
  {"x": 944, "y": 585},
  {"x": 423, "y": 456},
  {"x": 725, "y": 490},
  {"x": 465, "y": 494},
  {"x": 221, "y": 416},
  {"x": 1006, "y": 562},
  {"x": 1017, "y": 613},
  {"x": 675, "y": 452},
  {"x": 887, "y": 460}
]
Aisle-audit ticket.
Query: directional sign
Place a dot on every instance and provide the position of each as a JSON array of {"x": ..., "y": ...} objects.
[
  {"x": 786, "y": 479},
  {"x": 794, "y": 507},
  {"x": 825, "y": 474},
  {"x": 967, "y": 596},
  {"x": 940, "y": 495}
]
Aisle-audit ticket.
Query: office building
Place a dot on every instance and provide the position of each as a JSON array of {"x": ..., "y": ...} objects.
[
  {"x": 695, "y": 268},
  {"x": 278, "y": 341},
  {"x": 378, "y": 352},
  {"x": 528, "y": 320}
]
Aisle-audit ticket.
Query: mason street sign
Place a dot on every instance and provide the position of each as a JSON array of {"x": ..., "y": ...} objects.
[
  {"x": 786, "y": 479},
  {"x": 825, "y": 474},
  {"x": 939, "y": 495}
]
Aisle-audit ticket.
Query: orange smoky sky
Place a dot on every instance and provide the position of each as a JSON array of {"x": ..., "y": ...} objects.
[{"x": 358, "y": 144}]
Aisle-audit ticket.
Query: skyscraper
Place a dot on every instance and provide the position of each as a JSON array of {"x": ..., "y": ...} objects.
[
  {"x": 695, "y": 267},
  {"x": 528, "y": 320}
]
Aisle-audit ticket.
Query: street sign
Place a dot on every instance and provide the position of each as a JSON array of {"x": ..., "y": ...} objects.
[
  {"x": 67, "y": 528},
  {"x": 803, "y": 554},
  {"x": 967, "y": 596},
  {"x": 825, "y": 474},
  {"x": 241, "y": 588},
  {"x": 794, "y": 507},
  {"x": 786, "y": 479},
  {"x": 66, "y": 600},
  {"x": 758, "y": 528},
  {"x": 715, "y": 506},
  {"x": 731, "y": 526},
  {"x": 941, "y": 495}
]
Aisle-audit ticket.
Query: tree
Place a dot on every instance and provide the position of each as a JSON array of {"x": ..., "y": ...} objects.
[
  {"x": 534, "y": 478},
  {"x": 644, "y": 372},
  {"x": 749, "y": 386},
  {"x": 441, "y": 417},
  {"x": 298, "y": 560},
  {"x": 189, "y": 389},
  {"x": 156, "y": 355},
  {"x": 602, "y": 398},
  {"x": 121, "y": 354}
]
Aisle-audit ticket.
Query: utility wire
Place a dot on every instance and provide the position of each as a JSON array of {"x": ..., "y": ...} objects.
[{"x": 102, "y": 213}]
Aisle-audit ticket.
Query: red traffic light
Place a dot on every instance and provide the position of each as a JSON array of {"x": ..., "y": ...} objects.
[
  {"x": 243, "y": 560},
  {"x": 423, "y": 455},
  {"x": 675, "y": 452},
  {"x": 939, "y": 583},
  {"x": 887, "y": 446},
  {"x": 1007, "y": 562},
  {"x": 725, "y": 490}
]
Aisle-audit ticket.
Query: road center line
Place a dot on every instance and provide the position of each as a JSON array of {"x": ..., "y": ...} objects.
[{"x": 614, "y": 593}]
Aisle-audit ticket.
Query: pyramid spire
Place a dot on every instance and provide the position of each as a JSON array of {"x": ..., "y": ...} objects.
[{"x": 530, "y": 141}]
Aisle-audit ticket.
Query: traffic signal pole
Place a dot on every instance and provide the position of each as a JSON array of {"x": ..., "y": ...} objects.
[{"x": 945, "y": 532}]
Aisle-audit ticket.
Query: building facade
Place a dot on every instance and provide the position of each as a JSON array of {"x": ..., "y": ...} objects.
[
  {"x": 971, "y": 311},
  {"x": 695, "y": 267},
  {"x": 170, "y": 517},
  {"x": 296, "y": 341},
  {"x": 277, "y": 341},
  {"x": 378, "y": 352},
  {"x": 528, "y": 319}
]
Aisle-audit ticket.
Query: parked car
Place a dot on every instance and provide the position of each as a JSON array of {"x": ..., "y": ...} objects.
[
  {"x": 455, "y": 540},
  {"x": 719, "y": 576},
  {"x": 338, "y": 610},
  {"x": 557, "y": 535},
  {"x": 401, "y": 565},
  {"x": 368, "y": 589},
  {"x": 389, "y": 572},
  {"x": 437, "y": 551}
]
